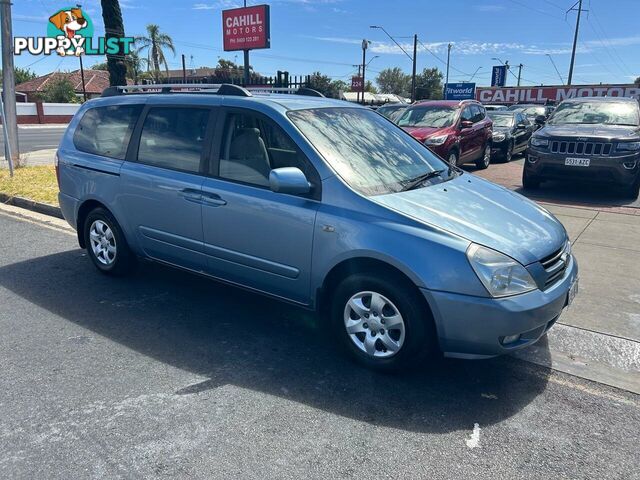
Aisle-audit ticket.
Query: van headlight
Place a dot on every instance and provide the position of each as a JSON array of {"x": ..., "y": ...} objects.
[
  {"x": 501, "y": 275},
  {"x": 437, "y": 140},
  {"x": 539, "y": 142}
]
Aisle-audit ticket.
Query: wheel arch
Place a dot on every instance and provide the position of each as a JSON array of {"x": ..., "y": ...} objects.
[{"x": 85, "y": 208}]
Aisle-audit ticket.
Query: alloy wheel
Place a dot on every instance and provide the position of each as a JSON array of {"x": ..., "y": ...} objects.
[{"x": 374, "y": 324}]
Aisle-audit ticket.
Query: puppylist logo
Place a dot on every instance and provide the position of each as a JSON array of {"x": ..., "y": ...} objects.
[{"x": 70, "y": 32}]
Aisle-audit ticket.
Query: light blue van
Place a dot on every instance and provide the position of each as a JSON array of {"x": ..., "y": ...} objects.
[{"x": 321, "y": 203}]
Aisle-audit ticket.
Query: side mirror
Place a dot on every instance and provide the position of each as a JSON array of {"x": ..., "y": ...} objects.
[
  {"x": 466, "y": 124},
  {"x": 289, "y": 180},
  {"x": 541, "y": 119}
]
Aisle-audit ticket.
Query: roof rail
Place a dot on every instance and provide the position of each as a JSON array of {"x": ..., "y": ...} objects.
[{"x": 216, "y": 88}]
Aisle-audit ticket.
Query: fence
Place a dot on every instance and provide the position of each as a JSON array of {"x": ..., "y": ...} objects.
[{"x": 34, "y": 113}]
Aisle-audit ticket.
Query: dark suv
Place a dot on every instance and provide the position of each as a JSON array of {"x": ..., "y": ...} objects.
[
  {"x": 594, "y": 139},
  {"x": 458, "y": 131}
]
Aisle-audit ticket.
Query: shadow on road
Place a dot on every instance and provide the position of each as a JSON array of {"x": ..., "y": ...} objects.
[{"x": 234, "y": 337}]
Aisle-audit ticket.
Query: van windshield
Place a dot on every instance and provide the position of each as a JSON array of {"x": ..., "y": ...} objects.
[{"x": 368, "y": 152}]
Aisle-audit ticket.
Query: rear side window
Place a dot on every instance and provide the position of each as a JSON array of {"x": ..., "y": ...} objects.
[
  {"x": 106, "y": 131},
  {"x": 173, "y": 137}
]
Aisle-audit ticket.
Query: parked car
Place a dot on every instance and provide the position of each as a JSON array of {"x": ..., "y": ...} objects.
[
  {"x": 596, "y": 139},
  {"x": 458, "y": 131},
  {"x": 511, "y": 134},
  {"x": 393, "y": 111},
  {"x": 320, "y": 203},
  {"x": 537, "y": 114},
  {"x": 492, "y": 108}
]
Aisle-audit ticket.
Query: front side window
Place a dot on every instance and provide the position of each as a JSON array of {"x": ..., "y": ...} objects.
[
  {"x": 369, "y": 153},
  {"x": 428, "y": 116},
  {"x": 478, "y": 114},
  {"x": 106, "y": 131},
  {"x": 252, "y": 146},
  {"x": 173, "y": 138},
  {"x": 609, "y": 113},
  {"x": 467, "y": 115}
]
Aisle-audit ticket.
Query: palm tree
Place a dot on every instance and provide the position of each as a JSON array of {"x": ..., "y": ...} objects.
[
  {"x": 154, "y": 43},
  {"x": 114, "y": 27},
  {"x": 135, "y": 65}
]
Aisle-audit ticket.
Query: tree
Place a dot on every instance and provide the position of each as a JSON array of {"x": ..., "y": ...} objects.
[
  {"x": 637, "y": 82},
  {"x": 100, "y": 66},
  {"x": 59, "y": 90},
  {"x": 429, "y": 84},
  {"x": 135, "y": 66},
  {"x": 114, "y": 28},
  {"x": 395, "y": 81},
  {"x": 155, "y": 43},
  {"x": 325, "y": 85},
  {"x": 22, "y": 75},
  {"x": 369, "y": 87}
]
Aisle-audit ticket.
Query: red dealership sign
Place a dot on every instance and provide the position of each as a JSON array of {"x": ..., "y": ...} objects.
[
  {"x": 553, "y": 94},
  {"x": 246, "y": 28}
]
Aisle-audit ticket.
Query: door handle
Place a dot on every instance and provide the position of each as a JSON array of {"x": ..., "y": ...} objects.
[
  {"x": 213, "y": 199},
  {"x": 191, "y": 194}
]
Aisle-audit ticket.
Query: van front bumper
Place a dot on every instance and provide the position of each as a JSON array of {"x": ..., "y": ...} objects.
[{"x": 476, "y": 327}]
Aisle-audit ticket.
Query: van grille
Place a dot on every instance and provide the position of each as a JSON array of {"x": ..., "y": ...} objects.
[
  {"x": 581, "y": 148},
  {"x": 555, "y": 265}
]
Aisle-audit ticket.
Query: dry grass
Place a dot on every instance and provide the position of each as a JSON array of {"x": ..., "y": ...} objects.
[{"x": 34, "y": 183}]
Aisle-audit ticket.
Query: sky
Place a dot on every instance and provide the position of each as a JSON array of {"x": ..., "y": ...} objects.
[{"x": 326, "y": 36}]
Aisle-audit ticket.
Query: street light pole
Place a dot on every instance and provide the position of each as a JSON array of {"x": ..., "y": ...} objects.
[
  {"x": 475, "y": 73},
  {"x": 575, "y": 39},
  {"x": 365, "y": 44},
  {"x": 446, "y": 82}
]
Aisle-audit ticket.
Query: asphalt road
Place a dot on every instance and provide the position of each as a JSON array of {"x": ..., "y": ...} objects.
[
  {"x": 169, "y": 375},
  {"x": 31, "y": 139}
]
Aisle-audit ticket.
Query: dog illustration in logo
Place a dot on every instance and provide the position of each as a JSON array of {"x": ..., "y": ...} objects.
[{"x": 69, "y": 21}]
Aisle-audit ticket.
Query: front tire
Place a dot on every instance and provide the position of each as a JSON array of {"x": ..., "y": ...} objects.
[
  {"x": 484, "y": 161},
  {"x": 453, "y": 158},
  {"x": 508, "y": 156},
  {"x": 382, "y": 324},
  {"x": 106, "y": 244},
  {"x": 634, "y": 190},
  {"x": 529, "y": 181}
]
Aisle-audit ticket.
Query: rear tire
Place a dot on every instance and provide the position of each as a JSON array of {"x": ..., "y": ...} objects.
[
  {"x": 106, "y": 244},
  {"x": 484, "y": 161},
  {"x": 530, "y": 182},
  {"x": 390, "y": 327}
]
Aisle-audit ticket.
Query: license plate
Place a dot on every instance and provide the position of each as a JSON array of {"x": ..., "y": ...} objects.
[
  {"x": 573, "y": 291},
  {"x": 577, "y": 162}
]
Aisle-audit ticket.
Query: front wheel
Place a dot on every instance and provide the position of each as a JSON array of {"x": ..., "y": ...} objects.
[
  {"x": 382, "y": 324},
  {"x": 452, "y": 158},
  {"x": 634, "y": 190},
  {"x": 485, "y": 160},
  {"x": 106, "y": 244},
  {"x": 508, "y": 156},
  {"x": 530, "y": 181}
]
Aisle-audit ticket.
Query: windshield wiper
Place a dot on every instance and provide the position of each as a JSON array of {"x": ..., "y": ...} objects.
[{"x": 415, "y": 182}]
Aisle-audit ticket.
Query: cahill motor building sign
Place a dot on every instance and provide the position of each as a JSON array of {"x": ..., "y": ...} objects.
[
  {"x": 553, "y": 94},
  {"x": 246, "y": 28}
]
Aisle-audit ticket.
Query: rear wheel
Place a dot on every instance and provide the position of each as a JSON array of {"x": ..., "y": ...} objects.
[
  {"x": 382, "y": 324},
  {"x": 106, "y": 245},
  {"x": 484, "y": 161},
  {"x": 530, "y": 181}
]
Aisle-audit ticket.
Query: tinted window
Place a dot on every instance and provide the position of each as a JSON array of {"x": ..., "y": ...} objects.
[
  {"x": 252, "y": 146},
  {"x": 106, "y": 130},
  {"x": 478, "y": 114},
  {"x": 173, "y": 138},
  {"x": 369, "y": 153}
]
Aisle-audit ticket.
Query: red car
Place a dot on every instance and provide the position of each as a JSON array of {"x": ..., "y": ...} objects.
[{"x": 457, "y": 131}]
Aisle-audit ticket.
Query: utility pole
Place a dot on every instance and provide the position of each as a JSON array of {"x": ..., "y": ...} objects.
[
  {"x": 519, "y": 73},
  {"x": 84, "y": 85},
  {"x": 10, "y": 126},
  {"x": 247, "y": 76},
  {"x": 446, "y": 82},
  {"x": 365, "y": 44},
  {"x": 184, "y": 70},
  {"x": 575, "y": 38},
  {"x": 413, "y": 74}
]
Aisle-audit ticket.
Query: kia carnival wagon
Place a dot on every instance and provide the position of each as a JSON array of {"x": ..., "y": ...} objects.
[{"x": 321, "y": 203}]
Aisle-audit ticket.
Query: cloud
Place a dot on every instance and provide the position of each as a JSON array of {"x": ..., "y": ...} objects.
[{"x": 218, "y": 5}]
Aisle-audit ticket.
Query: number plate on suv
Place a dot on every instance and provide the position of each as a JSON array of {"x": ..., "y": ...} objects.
[{"x": 576, "y": 162}]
